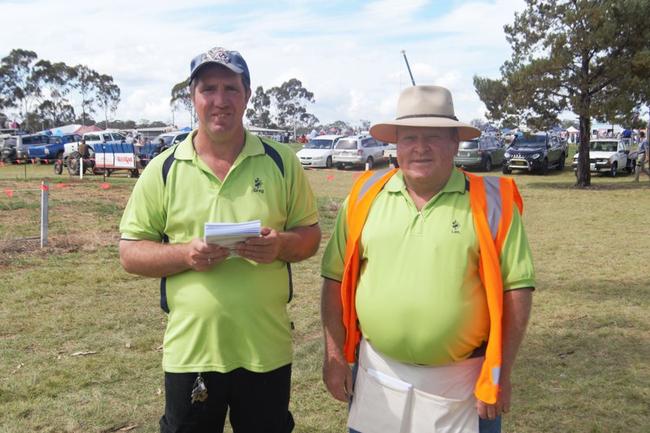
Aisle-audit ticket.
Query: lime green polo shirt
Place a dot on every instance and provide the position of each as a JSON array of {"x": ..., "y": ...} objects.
[
  {"x": 233, "y": 315},
  {"x": 420, "y": 299}
]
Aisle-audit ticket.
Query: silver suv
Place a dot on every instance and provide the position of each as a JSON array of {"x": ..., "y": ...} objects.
[{"x": 358, "y": 150}]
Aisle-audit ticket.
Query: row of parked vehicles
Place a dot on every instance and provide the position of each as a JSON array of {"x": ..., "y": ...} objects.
[
  {"x": 340, "y": 151},
  {"x": 103, "y": 153},
  {"x": 538, "y": 152},
  {"x": 542, "y": 152}
]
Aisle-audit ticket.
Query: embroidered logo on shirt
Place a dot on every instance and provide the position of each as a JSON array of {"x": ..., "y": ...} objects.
[
  {"x": 455, "y": 227},
  {"x": 258, "y": 185}
]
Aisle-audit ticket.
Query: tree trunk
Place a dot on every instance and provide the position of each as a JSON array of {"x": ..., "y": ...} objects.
[{"x": 584, "y": 174}]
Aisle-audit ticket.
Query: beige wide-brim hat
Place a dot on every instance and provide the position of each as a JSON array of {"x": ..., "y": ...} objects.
[{"x": 424, "y": 107}]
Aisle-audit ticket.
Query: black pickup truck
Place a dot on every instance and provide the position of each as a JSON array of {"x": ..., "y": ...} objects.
[{"x": 535, "y": 152}]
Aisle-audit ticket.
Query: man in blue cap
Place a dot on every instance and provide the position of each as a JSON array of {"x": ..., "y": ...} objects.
[{"x": 227, "y": 346}]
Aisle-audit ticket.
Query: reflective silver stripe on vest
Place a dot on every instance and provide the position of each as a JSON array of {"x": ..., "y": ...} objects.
[
  {"x": 494, "y": 204},
  {"x": 370, "y": 182}
]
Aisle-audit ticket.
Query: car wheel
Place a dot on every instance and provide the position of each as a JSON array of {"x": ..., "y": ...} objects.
[
  {"x": 560, "y": 163},
  {"x": 614, "y": 170},
  {"x": 135, "y": 173},
  {"x": 339, "y": 166},
  {"x": 544, "y": 169},
  {"x": 505, "y": 169},
  {"x": 487, "y": 164},
  {"x": 328, "y": 163},
  {"x": 370, "y": 162}
]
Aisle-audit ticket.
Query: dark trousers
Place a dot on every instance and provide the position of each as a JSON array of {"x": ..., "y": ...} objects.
[{"x": 255, "y": 402}]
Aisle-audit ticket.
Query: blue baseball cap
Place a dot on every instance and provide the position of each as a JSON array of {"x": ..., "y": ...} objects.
[{"x": 221, "y": 56}]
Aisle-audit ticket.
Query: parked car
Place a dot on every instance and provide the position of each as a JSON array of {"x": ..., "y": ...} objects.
[
  {"x": 150, "y": 150},
  {"x": 358, "y": 150},
  {"x": 16, "y": 148},
  {"x": 54, "y": 148},
  {"x": 318, "y": 151},
  {"x": 535, "y": 152},
  {"x": 608, "y": 156},
  {"x": 8, "y": 150},
  {"x": 484, "y": 152}
]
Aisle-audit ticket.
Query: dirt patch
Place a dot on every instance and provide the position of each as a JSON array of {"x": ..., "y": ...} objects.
[{"x": 15, "y": 249}]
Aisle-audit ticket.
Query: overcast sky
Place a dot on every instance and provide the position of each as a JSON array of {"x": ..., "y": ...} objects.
[{"x": 346, "y": 52}]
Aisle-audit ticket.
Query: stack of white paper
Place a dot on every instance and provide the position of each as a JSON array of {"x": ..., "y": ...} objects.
[{"x": 228, "y": 234}]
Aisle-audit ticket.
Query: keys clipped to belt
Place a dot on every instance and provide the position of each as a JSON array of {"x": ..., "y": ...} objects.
[{"x": 199, "y": 390}]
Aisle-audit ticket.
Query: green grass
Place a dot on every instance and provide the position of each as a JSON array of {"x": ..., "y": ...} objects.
[{"x": 582, "y": 368}]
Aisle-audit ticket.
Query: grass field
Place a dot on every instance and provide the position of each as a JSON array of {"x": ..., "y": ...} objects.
[{"x": 80, "y": 339}]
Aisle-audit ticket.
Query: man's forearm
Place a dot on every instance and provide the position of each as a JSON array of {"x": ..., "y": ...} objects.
[
  {"x": 516, "y": 312},
  {"x": 153, "y": 259},
  {"x": 299, "y": 243},
  {"x": 331, "y": 316}
]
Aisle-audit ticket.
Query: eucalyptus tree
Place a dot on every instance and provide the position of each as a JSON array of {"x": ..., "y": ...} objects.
[{"x": 591, "y": 57}]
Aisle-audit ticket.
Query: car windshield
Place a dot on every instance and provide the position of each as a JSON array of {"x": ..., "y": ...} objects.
[
  {"x": 604, "y": 146},
  {"x": 466, "y": 145},
  {"x": 530, "y": 141},
  {"x": 346, "y": 144},
  {"x": 319, "y": 144}
]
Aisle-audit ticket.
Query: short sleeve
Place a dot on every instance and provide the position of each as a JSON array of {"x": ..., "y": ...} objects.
[
  {"x": 144, "y": 215},
  {"x": 517, "y": 268},
  {"x": 332, "y": 263},
  {"x": 302, "y": 209}
]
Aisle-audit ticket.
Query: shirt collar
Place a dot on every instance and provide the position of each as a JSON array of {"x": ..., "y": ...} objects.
[
  {"x": 456, "y": 182},
  {"x": 252, "y": 146}
]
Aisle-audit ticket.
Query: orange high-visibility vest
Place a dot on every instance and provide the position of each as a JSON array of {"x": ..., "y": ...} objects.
[{"x": 492, "y": 201}]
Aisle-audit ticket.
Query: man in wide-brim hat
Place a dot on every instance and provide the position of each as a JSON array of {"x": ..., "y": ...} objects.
[{"x": 428, "y": 281}]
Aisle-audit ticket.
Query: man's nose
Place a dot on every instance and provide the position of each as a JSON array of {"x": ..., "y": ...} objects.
[
  {"x": 219, "y": 97},
  {"x": 421, "y": 145}
]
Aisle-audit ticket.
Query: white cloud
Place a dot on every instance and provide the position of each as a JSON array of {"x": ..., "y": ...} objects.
[{"x": 351, "y": 61}]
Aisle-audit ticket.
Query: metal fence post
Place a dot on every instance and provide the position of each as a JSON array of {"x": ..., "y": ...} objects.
[{"x": 45, "y": 192}]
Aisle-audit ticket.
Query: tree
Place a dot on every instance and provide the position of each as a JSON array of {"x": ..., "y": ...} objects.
[
  {"x": 290, "y": 100},
  {"x": 181, "y": 97},
  {"x": 589, "y": 56},
  {"x": 260, "y": 113},
  {"x": 55, "y": 81},
  {"x": 108, "y": 95},
  {"x": 18, "y": 83},
  {"x": 86, "y": 83},
  {"x": 338, "y": 125},
  {"x": 567, "y": 123},
  {"x": 494, "y": 95},
  {"x": 52, "y": 115}
]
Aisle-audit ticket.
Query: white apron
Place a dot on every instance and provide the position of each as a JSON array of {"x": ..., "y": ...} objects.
[{"x": 392, "y": 397}]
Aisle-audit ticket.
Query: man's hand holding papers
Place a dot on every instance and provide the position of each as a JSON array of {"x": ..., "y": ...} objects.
[
  {"x": 262, "y": 249},
  {"x": 203, "y": 256},
  {"x": 248, "y": 240}
]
